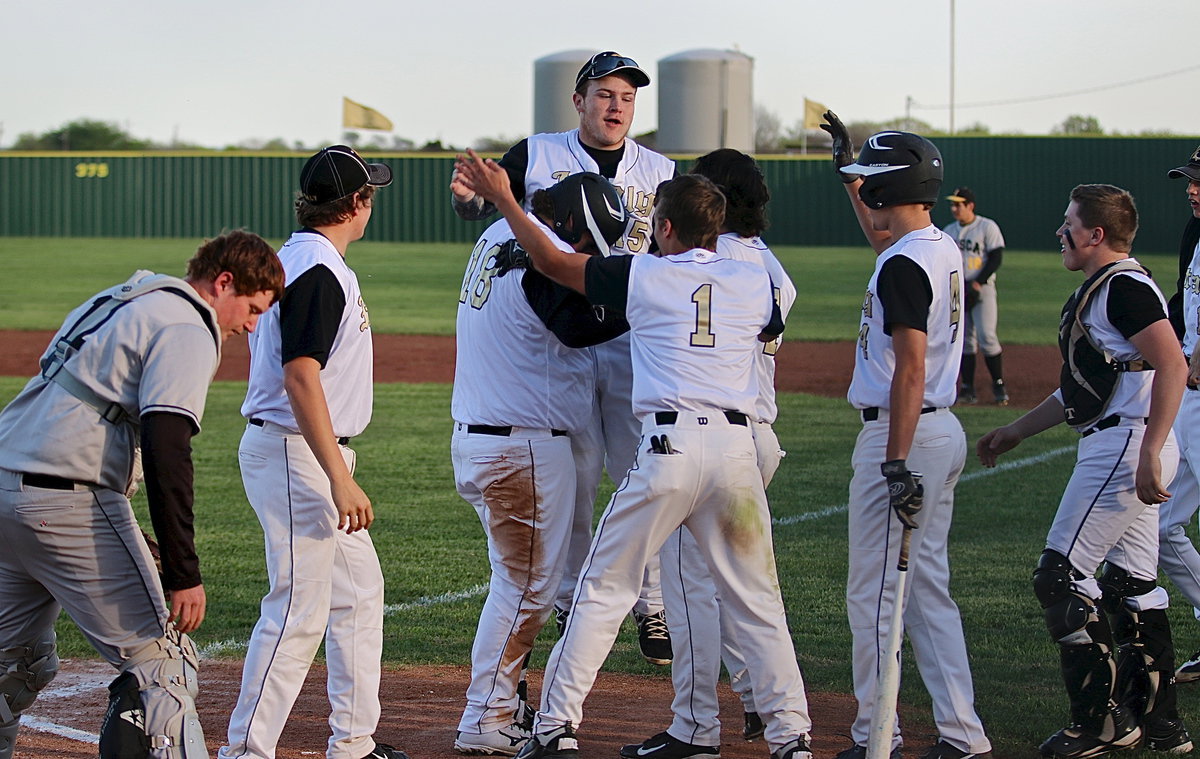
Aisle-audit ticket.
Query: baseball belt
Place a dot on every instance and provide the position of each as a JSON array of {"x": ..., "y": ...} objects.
[
  {"x": 670, "y": 417},
  {"x": 871, "y": 414}
]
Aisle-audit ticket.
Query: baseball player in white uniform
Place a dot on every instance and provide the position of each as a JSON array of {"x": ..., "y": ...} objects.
[
  {"x": 982, "y": 247},
  {"x": 126, "y": 374},
  {"x": 905, "y": 373},
  {"x": 1177, "y": 556},
  {"x": 696, "y": 318},
  {"x": 512, "y": 450},
  {"x": 701, "y": 631},
  {"x": 309, "y": 394},
  {"x": 605, "y": 93},
  {"x": 1118, "y": 665}
]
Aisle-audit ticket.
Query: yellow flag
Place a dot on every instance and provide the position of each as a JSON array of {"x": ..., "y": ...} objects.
[
  {"x": 813, "y": 112},
  {"x": 358, "y": 116}
]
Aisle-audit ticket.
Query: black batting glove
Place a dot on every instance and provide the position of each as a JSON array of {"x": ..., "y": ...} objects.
[
  {"x": 843, "y": 147},
  {"x": 510, "y": 256},
  {"x": 906, "y": 494}
]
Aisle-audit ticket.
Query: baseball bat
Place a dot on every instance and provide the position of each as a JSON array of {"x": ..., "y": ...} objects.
[{"x": 887, "y": 686}]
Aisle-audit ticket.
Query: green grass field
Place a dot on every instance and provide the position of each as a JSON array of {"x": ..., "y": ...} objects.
[{"x": 432, "y": 546}]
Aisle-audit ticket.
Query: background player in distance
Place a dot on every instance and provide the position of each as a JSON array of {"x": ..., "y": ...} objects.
[
  {"x": 982, "y": 247},
  {"x": 128, "y": 370},
  {"x": 1117, "y": 665},
  {"x": 512, "y": 451},
  {"x": 676, "y": 305}
]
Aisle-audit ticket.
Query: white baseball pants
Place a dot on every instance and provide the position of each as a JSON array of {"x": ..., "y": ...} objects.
[{"x": 1176, "y": 554}]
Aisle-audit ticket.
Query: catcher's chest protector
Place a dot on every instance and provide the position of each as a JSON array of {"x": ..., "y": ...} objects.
[{"x": 1089, "y": 374}]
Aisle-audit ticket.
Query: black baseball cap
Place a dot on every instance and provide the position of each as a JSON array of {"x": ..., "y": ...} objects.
[
  {"x": 607, "y": 63},
  {"x": 961, "y": 195},
  {"x": 1190, "y": 170},
  {"x": 337, "y": 172}
]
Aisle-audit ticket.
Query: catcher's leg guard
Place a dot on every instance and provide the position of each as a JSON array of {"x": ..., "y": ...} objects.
[
  {"x": 24, "y": 670},
  {"x": 162, "y": 712},
  {"x": 1145, "y": 654},
  {"x": 1085, "y": 645}
]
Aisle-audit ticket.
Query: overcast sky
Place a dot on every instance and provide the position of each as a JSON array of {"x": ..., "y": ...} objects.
[{"x": 225, "y": 71}]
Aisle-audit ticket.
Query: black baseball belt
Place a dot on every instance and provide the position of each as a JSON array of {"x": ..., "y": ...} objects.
[
  {"x": 670, "y": 417},
  {"x": 262, "y": 423},
  {"x": 1106, "y": 423},
  {"x": 871, "y": 414},
  {"x": 505, "y": 431}
]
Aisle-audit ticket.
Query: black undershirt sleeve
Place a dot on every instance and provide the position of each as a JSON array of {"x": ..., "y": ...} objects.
[
  {"x": 1132, "y": 305},
  {"x": 994, "y": 259},
  {"x": 167, "y": 463},
  {"x": 515, "y": 162},
  {"x": 569, "y": 315},
  {"x": 309, "y": 314},
  {"x": 606, "y": 281},
  {"x": 904, "y": 294}
]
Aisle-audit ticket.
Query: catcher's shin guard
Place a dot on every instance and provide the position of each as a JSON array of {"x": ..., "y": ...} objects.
[
  {"x": 1145, "y": 651},
  {"x": 160, "y": 719},
  {"x": 24, "y": 670}
]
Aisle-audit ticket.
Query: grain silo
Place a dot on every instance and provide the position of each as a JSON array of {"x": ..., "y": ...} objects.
[
  {"x": 553, "y": 82},
  {"x": 705, "y": 101}
]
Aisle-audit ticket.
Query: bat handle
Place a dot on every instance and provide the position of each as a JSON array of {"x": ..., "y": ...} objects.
[{"x": 905, "y": 542}]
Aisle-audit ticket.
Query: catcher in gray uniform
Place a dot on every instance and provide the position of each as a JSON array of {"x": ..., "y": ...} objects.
[{"x": 127, "y": 373}]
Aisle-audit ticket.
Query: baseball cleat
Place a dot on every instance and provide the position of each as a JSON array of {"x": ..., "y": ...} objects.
[
  {"x": 860, "y": 752},
  {"x": 966, "y": 396},
  {"x": 384, "y": 751},
  {"x": 753, "y": 728},
  {"x": 560, "y": 619},
  {"x": 505, "y": 741},
  {"x": 1074, "y": 743},
  {"x": 1189, "y": 671},
  {"x": 666, "y": 746},
  {"x": 943, "y": 750},
  {"x": 1000, "y": 393},
  {"x": 796, "y": 748},
  {"x": 653, "y": 637},
  {"x": 559, "y": 742},
  {"x": 1168, "y": 736}
]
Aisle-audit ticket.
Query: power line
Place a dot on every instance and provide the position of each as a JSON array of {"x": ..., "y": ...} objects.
[{"x": 1101, "y": 88}]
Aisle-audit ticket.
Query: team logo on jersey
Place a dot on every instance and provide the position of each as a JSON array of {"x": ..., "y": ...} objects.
[
  {"x": 1191, "y": 283},
  {"x": 135, "y": 717}
]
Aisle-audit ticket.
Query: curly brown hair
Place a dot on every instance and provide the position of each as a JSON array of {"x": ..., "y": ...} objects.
[
  {"x": 249, "y": 258},
  {"x": 741, "y": 181}
]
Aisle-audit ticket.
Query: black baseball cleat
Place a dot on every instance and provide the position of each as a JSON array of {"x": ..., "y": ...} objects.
[
  {"x": 943, "y": 750},
  {"x": 1189, "y": 671},
  {"x": 653, "y": 637},
  {"x": 559, "y": 742},
  {"x": 384, "y": 751},
  {"x": 1168, "y": 736},
  {"x": 1074, "y": 743},
  {"x": 753, "y": 728},
  {"x": 666, "y": 746},
  {"x": 796, "y": 748},
  {"x": 860, "y": 752},
  {"x": 966, "y": 396},
  {"x": 1000, "y": 393},
  {"x": 561, "y": 616}
]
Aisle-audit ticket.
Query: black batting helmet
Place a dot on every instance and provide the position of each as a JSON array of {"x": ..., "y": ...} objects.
[
  {"x": 588, "y": 203},
  {"x": 897, "y": 168}
]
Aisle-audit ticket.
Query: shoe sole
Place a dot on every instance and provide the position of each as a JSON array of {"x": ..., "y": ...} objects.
[
  {"x": 1182, "y": 748},
  {"x": 656, "y": 662},
  {"x": 1186, "y": 677},
  {"x": 650, "y": 754},
  {"x": 752, "y": 737},
  {"x": 470, "y": 750}
]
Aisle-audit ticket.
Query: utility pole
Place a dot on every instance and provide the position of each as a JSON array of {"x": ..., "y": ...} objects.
[{"x": 951, "y": 66}]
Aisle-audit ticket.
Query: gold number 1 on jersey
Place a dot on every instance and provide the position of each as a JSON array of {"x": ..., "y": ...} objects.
[{"x": 703, "y": 337}]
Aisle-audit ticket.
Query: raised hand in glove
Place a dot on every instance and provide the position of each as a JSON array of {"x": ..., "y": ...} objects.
[
  {"x": 510, "y": 256},
  {"x": 906, "y": 494},
  {"x": 843, "y": 147}
]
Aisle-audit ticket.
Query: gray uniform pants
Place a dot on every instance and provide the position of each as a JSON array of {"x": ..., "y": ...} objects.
[
  {"x": 980, "y": 326},
  {"x": 82, "y": 551}
]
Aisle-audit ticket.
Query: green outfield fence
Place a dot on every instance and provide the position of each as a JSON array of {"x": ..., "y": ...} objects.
[{"x": 1022, "y": 182}]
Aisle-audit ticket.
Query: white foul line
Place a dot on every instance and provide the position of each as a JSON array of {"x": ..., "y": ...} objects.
[{"x": 225, "y": 646}]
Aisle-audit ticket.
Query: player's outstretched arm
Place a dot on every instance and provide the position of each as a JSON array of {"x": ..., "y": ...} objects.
[
  {"x": 1048, "y": 413},
  {"x": 468, "y": 205},
  {"x": 843, "y": 155},
  {"x": 490, "y": 181},
  {"x": 1158, "y": 345}
]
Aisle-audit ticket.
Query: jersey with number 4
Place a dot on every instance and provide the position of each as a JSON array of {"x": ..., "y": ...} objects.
[
  {"x": 556, "y": 155},
  {"x": 937, "y": 257}
]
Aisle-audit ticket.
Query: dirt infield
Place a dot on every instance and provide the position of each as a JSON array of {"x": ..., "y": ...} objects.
[
  {"x": 801, "y": 367},
  {"x": 421, "y": 706}
]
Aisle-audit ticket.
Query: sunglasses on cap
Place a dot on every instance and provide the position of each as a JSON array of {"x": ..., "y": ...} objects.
[{"x": 609, "y": 62}]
